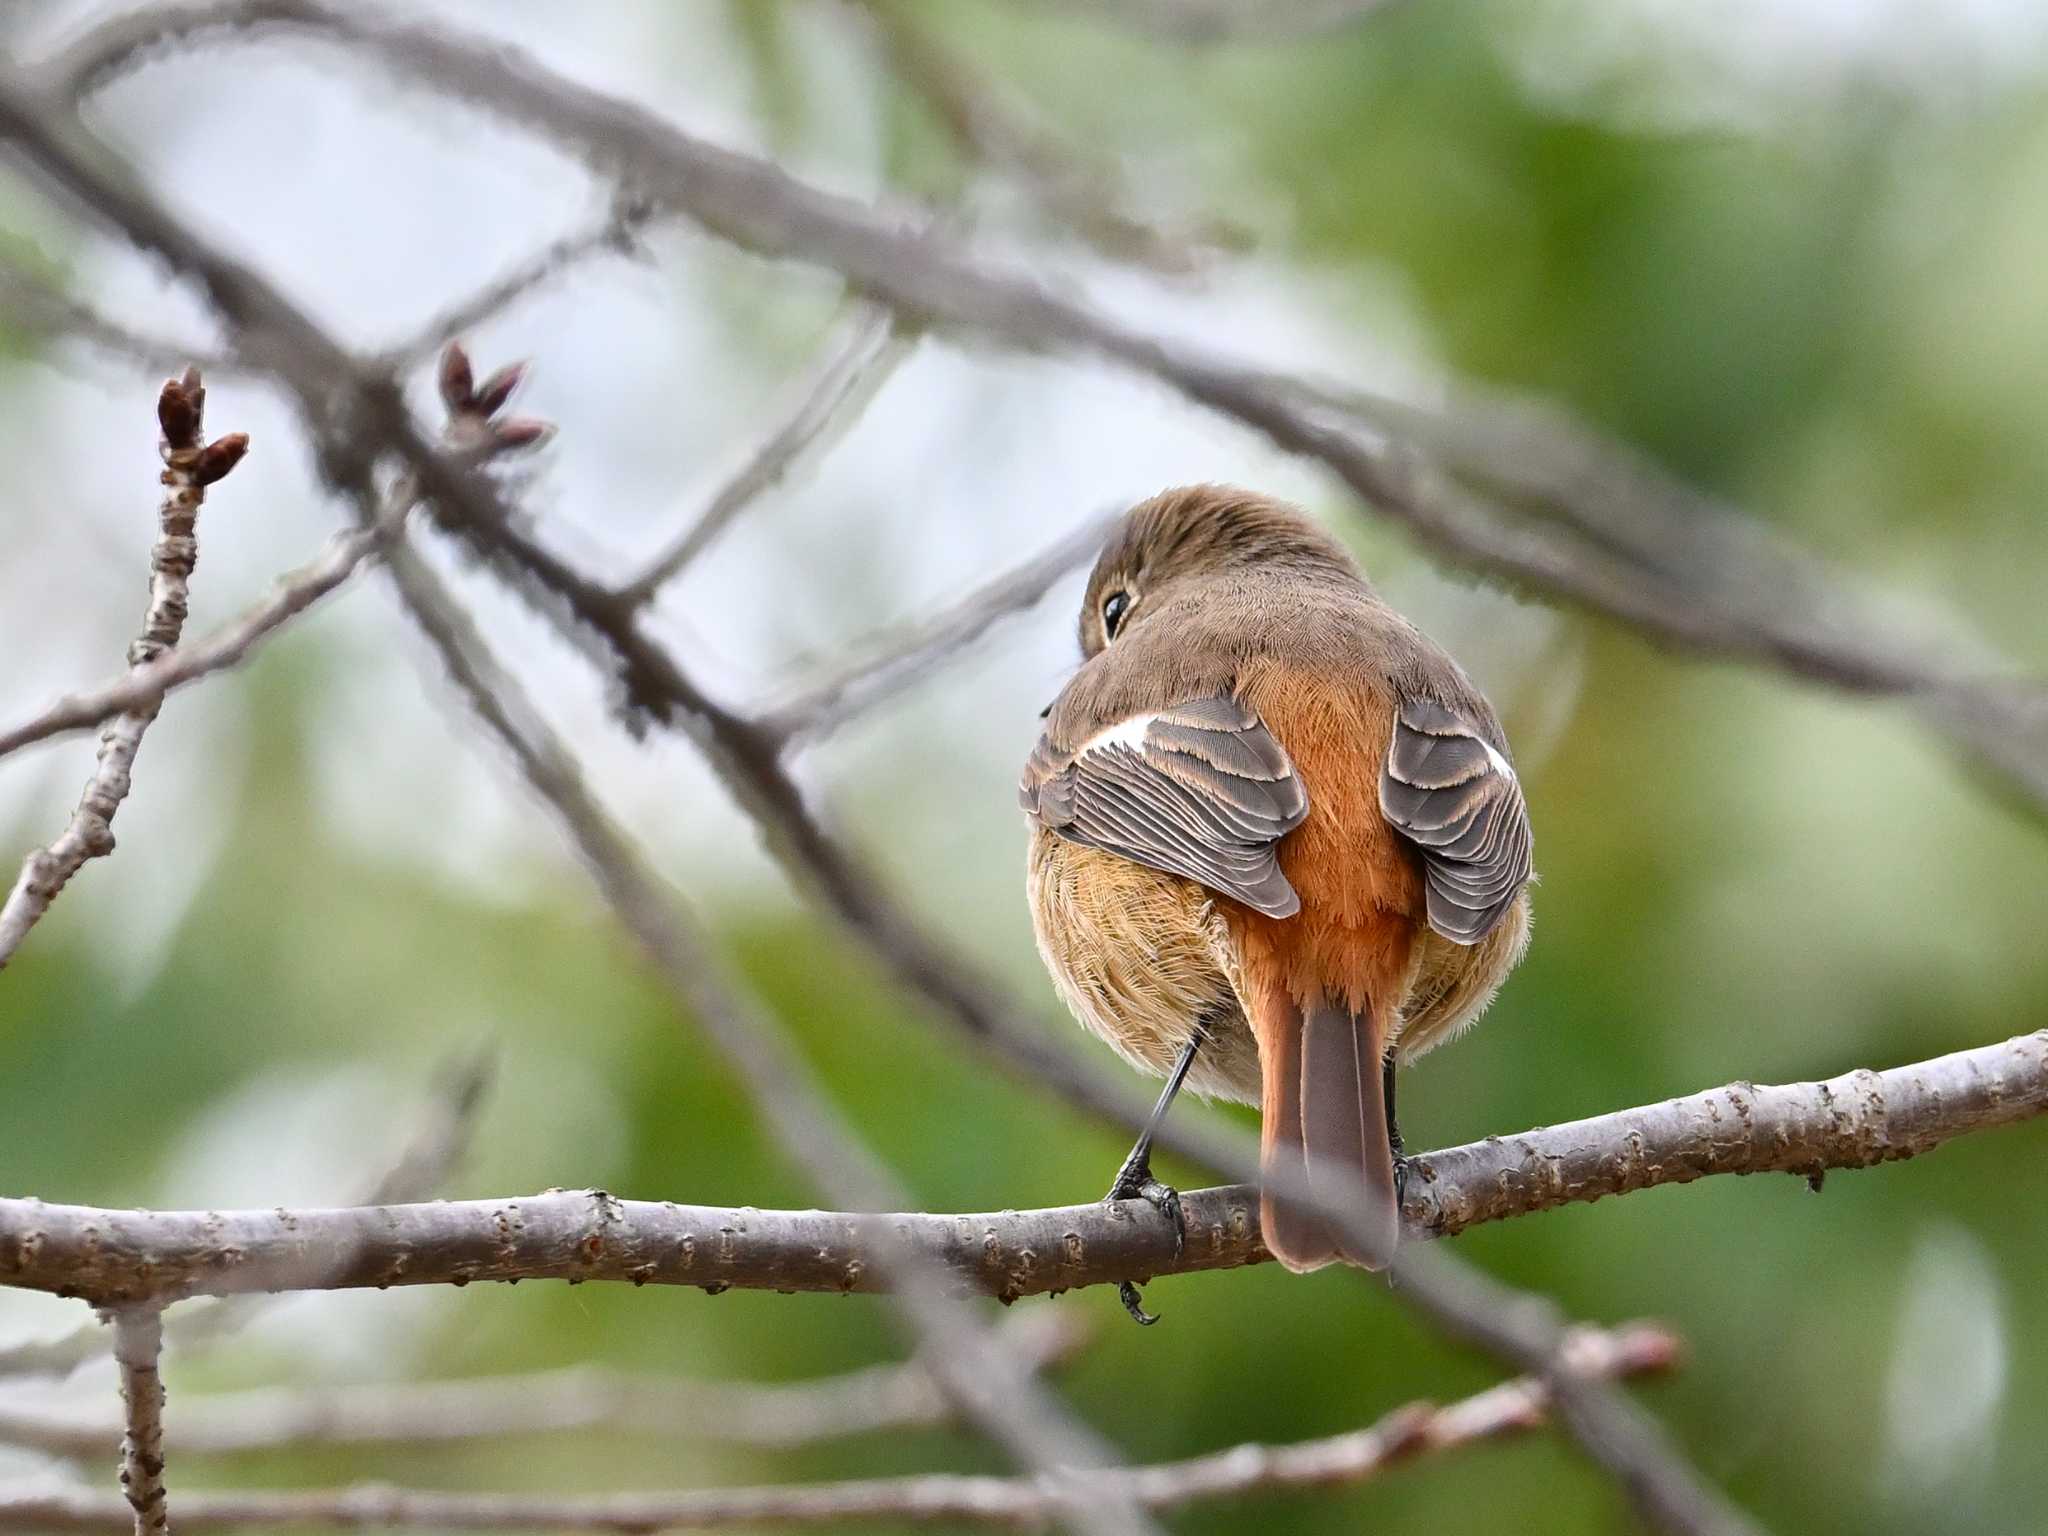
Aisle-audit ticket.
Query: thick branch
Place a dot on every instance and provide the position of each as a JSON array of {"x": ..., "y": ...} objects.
[
  {"x": 1514, "y": 1407},
  {"x": 1854, "y": 1121}
]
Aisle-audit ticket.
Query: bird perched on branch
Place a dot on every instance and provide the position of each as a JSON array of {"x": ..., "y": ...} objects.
[{"x": 1277, "y": 845}]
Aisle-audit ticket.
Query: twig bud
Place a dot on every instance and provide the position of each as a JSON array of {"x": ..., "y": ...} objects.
[
  {"x": 220, "y": 456},
  {"x": 520, "y": 432},
  {"x": 458, "y": 383},
  {"x": 492, "y": 394},
  {"x": 177, "y": 410}
]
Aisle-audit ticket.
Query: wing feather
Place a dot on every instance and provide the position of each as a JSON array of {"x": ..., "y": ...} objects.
[
  {"x": 1451, "y": 791},
  {"x": 1201, "y": 790}
]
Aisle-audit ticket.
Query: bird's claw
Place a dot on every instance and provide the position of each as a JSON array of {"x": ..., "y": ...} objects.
[
  {"x": 1134, "y": 1181},
  {"x": 1127, "y": 1293}
]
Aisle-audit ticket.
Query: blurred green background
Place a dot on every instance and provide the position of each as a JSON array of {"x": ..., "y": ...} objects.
[{"x": 1795, "y": 259}]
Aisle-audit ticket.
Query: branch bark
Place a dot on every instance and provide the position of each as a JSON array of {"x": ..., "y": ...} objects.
[
  {"x": 138, "y": 1352},
  {"x": 1857, "y": 1120},
  {"x": 1512, "y": 1408}
]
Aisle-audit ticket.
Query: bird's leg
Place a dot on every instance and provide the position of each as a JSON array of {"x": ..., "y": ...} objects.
[
  {"x": 1134, "y": 1178},
  {"x": 1394, "y": 1130}
]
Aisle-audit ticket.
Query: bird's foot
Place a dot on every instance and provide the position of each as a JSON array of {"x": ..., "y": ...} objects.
[{"x": 1134, "y": 1181}]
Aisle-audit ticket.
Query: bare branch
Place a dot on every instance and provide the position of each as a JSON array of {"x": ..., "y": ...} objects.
[
  {"x": 138, "y": 1352},
  {"x": 1086, "y": 191},
  {"x": 145, "y": 687},
  {"x": 1418, "y": 1429},
  {"x": 779, "y": 1416},
  {"x": 1857, "y": 1120},
  {"x": 1231, "y": 21},
  {"x": 191, "y": 464},
  {"x": 617, "y": 233},
  {"x": 35, "y": 306},
  {"x": 899, "y": 661},
  {"x": 849, "y": 369}
]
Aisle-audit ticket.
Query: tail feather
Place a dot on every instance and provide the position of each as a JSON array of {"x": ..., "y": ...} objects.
[{"x": 1326, "y": 1124}]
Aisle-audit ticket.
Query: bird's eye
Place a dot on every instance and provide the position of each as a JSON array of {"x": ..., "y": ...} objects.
[{"x": 1114, "y": 607}]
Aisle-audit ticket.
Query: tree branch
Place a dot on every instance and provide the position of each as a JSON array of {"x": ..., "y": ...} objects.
[
  {"x": 33, "y": 305},
  {"x": 848, "y": 370},
  {"x": 1418, "y": 1429},
  {"x": 145, "y": 687},
  {"x": 617, "y": 233},
  {"x": 138, "y": 1352},
  {"x": 1620, "y": 1438},
  {"x": 191, "y": 464},
  {"x": 1087, "y": 192},
  {"x": 778, "y": 1416},
  {"x": 897, "y": 662},
  {"x": 1857, "y": 1120}
]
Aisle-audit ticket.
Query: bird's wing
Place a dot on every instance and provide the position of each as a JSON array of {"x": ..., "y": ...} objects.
[
  {"x": 1200, "y": 789},
  {"x": 1453, "y": 794}
]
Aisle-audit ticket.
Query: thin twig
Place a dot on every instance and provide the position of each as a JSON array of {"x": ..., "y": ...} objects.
[
  {"x": 1084, "y": 190},
  {"x": 145, "y": 687},
  {"x": 191, "y": 464},
  {"x": 1231, "y": 21},
  {"x": 138, "y": 1352},
  {"x": 780, "y": 1416},
  {"x": 617, "y": 233},
  {"x": 899, "y": 661},
  {"x": 849, "y": 368},
  {"x": 1417, "y": 1429},
  {"x": 33, "y": 305},
  {"x": 1857, "y": 1120}
]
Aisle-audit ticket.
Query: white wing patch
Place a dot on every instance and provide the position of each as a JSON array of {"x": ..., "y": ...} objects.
[
  {"x": 1500, "y": 764},
  {"x": 1125, "y": 733}
]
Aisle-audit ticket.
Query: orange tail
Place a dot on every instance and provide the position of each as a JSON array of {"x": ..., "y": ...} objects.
[{"x": 1325, "y": 1124}]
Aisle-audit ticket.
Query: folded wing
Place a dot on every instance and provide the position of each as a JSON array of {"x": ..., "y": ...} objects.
[
  {"x": 1200, "y": 790},
  {"x": 1450, "y": 790}
]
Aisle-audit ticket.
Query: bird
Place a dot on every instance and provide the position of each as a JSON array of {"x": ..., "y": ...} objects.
[{"x": 1277, "y": 845}]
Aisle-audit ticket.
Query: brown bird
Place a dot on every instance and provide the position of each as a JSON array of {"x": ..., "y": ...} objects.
[{"x": 1277, "y": 845}]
